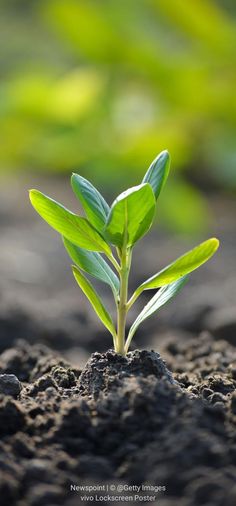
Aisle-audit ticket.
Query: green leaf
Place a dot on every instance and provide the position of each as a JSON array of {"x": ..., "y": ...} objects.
[
  {"x": 95, "y": 206},
  {"x": 183, "y": 265},
  {"x": 158, "y": 172},
  {"x": 160, "y": 298},
  {"x": 92, "y": 263},
  {"x": 131, "y": 215},
  {"x": 94, "y": 299},
  {"x": 78, "y": 230}
]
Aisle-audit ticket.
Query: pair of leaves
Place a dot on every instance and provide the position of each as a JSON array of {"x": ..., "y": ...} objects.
[
  {"x": 128, "y": 219},
  {"x": 132, "y": 213},
  {"x": 175, "y": 276},
  {"x": 164, "y": 295},
  {"x": 159, "y": 299}
]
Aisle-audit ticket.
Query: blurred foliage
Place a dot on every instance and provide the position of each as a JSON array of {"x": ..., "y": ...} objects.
[{"x": 102, "y": 86}]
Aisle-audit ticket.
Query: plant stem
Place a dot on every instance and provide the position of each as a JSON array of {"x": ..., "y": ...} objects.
[{"x": 122, "y": 304}]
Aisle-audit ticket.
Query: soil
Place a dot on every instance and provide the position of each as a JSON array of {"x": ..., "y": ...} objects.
[
  {"x": 72, "y": 417},
  {"x": 123, "y": 421}
]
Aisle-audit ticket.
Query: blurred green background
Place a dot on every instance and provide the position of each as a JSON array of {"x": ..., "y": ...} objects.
[{"x": 101, "y": 86}]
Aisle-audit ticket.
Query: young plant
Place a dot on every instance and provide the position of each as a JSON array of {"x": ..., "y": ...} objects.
[{"x": 112, "y": 232}]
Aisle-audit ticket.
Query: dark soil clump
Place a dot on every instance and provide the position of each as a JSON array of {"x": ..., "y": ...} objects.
[{"x": 107, "y": 370}]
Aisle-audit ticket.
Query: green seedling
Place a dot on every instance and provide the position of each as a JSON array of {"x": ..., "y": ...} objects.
[{"x": 112, "y": 232}]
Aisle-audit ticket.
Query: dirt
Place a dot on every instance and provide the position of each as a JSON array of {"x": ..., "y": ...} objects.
[{"x": 123, "y": 421}]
